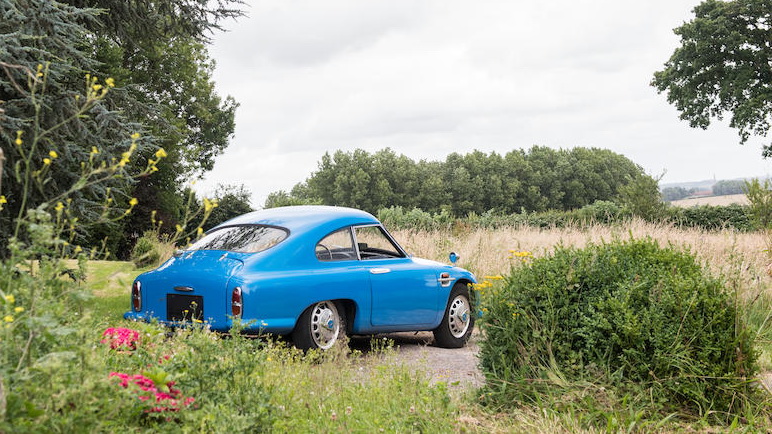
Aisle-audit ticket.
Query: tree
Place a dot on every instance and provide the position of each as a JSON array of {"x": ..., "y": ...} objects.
[
  {"x": 670, "y": 194},
  {"x": 725, "y": 187},
  {"x": 723, "y": 67},
  {"x": 156, "y": 57},
  {"x": 232, "y": 201}
]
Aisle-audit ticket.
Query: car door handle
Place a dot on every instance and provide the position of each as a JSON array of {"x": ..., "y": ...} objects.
[{"x": 380, "y": 270}]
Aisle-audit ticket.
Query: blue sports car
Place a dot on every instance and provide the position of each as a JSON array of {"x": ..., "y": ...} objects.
[{"x": 316, "y": 273}]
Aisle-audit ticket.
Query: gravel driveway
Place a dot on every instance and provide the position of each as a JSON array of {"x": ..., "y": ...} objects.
[{"x": 457, "y": 367}]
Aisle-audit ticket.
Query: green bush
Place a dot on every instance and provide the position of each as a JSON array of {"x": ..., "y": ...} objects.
[
  {"x": 710, "y": 217},
  {"x": 147, "y": 250},
  {"x": 615, "y": 324}
]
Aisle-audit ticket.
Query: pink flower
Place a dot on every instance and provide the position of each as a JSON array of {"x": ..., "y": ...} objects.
[
  {"x": 121, "y": 338},
  {"x": 149, "y": 390}
]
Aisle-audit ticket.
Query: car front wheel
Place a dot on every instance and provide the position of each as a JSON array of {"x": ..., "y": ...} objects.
[
  {"x": 320, "y": 326},
  {"x": 458, "y": 322}
]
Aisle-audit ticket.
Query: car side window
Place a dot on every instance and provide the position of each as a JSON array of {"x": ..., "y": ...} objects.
[
  {"x": 373, "y": 243},
  {"x": 337, "y": 246}
]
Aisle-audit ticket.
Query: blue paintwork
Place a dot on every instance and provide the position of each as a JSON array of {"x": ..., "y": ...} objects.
[{"x": 278, "y": 284}]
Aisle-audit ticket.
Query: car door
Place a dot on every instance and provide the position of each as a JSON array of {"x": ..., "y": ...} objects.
[{"x": 404, "y": 293}]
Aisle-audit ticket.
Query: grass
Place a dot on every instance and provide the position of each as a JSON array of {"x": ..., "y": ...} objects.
[{"x": 354, "y": 392}]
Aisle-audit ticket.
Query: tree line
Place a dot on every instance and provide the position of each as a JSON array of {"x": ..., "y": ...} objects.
[{"x": 537, "y": 179}]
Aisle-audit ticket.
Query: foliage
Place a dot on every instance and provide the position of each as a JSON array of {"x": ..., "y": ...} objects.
[
  {"x": 760, "y": 197},
  {"x": 146, "y": 251},
  {"x": 670, "y": 194},
  {"x": 721, "y": 67},
  {"x": 622, "y": 322},
  {"x": 282, "y": 198},
  {"x": 160, "y": 81},
  {"x": 232, "y": 201},
  {"x": 538, "y": 180},
  {"x": 712, "y": 217},
  {"x": 642, "y": 197},
  {"x": 727, "y": 187}
]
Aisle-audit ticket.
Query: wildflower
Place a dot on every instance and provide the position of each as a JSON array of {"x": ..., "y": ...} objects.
[
  {"x": 200, "y": 231},
  {"x": 209, "y": 205},
  {"x": 133, "y": 201},
  {"x": 18, "y": 309},
  {"x": 77, "y": 250},
  {"x": 179, "y": 228},
  {"x": 46, "y": 161},
  {"x": 161, "y": 153},
  {"x": 10, "y": 299},
  {"x": 40, "y": 71},
  {"x": 19, "y": 141},
  {"x": 53, "y": 154},
  {"x": 94, "y": 150},
  {"x": 135, "y": 136},
  {"x": 8, "y": 318},
  {"x": 498, "y": 277},
  {"x": 3, "y": 200},
  {"x": 59, "y": 207},
  {"x": 120, "y": 338},
  {"x": 110, "y": 82},
  {"x": 96, "y": 87}
]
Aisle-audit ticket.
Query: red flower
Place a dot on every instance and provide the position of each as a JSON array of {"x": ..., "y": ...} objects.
[{"x": 164, "y": 401}]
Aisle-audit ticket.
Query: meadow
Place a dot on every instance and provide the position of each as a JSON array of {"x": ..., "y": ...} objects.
[{"x": 374, "y": 388}]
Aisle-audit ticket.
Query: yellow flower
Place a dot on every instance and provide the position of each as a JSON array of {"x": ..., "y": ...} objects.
[
  {"x": 46, "y": 161},
  {"x": 19, "y": 141},
  {"x": 78, "y": 249},
  {"x": 133, "y": 201},
  {"x": 96, "y": 87},
  {"x": 10, "y": 299},
  {"x": 94, "y": 150},
  {"x": 3, "y": 200},
  {"x": 110, "y": 82},
  {"x": 8, "y": 318},
  {"x": 59, "y": 207},
  {"x": 209, "y": 205},
  {"x": 160, "y": 153},
  {"x": 18, "y": 309},
  {"x": 53, "y": 154},
  {"x": 200, "y": 231},
  {"x": 135, "y": 136},
  {"x": 179, "y": 228}
]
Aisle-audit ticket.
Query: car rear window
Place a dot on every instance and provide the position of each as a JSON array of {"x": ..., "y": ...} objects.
[{"x": 243, "y": 239}]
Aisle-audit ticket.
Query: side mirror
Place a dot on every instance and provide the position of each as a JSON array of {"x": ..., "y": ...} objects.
[{"x": 453, "y": 257}]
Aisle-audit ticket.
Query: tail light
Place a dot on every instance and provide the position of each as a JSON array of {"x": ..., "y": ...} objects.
[
  {"x": 236, "y": 302},
  {"x": 136, "y": 296}
]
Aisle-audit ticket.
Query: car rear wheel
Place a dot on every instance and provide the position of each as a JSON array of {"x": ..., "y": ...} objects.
[
  {"x": 458, "y": 322},
  {"x": 320, "y": 326}
]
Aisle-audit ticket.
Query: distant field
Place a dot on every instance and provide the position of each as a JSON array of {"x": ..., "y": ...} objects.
[{"x": 712, "y": 200}]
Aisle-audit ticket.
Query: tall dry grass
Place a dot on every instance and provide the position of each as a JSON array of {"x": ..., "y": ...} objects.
[{"x": 486, "y": 251}]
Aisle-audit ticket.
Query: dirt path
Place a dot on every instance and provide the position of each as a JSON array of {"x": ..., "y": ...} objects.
[{"x": 457, "y": 367}]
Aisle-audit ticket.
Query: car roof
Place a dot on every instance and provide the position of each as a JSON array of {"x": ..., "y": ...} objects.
[{"x": 304, "y": 218}]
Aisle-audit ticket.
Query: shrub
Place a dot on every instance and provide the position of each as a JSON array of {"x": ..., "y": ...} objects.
[
  {"x": 150, "y": 250},
  {"x": 618, "y": 323},
  {"x": 710, "y": 217}
]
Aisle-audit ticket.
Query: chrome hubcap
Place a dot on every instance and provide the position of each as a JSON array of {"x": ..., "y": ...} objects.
[
  {"x": 325, "y": 324},
  {"x": 458, "y": 316}
]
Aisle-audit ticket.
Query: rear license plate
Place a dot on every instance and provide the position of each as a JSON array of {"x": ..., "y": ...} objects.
[{"x": 184, "y": 307}]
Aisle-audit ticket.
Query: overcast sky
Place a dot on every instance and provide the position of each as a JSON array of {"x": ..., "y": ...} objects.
[{"x": 431, "y": 77}]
